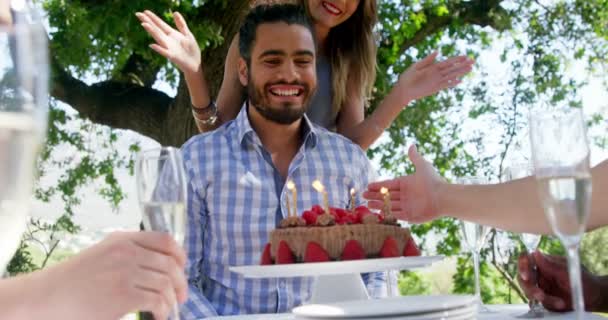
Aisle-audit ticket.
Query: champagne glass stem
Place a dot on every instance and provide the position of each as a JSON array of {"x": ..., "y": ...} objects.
[
  {"x": 574, "y": 268},
  {"x": 476, "y": 267},
  {"x": 389, "y": 283}
]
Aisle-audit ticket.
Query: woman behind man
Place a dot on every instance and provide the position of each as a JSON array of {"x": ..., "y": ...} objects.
[{"x": 346, "y": 71}]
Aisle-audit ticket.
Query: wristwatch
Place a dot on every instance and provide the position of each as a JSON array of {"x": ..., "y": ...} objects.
[{"x": 208, "y": 114}]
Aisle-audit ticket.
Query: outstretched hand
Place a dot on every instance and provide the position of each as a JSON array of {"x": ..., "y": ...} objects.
[
  {"x": 179, "y": 46},
  {"x": 413, "y": 197},
  {"x": 427, "y": 76}
]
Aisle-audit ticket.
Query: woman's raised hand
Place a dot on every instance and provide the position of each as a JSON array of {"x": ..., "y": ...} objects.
[
  {"x": 179, "y": 46},
  {"x": 428, "y": 76}
]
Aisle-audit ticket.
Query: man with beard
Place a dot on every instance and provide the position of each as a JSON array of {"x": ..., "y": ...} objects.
[{"x": 238, "y": 173}]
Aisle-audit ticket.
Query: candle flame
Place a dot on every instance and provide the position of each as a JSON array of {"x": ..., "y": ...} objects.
[
  {"x": 384, "y": 190},
  {"x": 318, "y": 186},
  {"x": 290, "y": 185},
  {"x": 352, "y": 191}
]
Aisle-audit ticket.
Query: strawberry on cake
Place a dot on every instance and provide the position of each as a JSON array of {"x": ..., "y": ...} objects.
[{"x": 319, "y": 236}]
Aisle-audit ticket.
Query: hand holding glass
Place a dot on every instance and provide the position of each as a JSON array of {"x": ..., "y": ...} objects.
[{"x": 162, "y": 192}]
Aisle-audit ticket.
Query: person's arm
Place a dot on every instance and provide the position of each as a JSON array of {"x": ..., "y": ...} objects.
[
  {"x": 232, "y": 94},
  {"x": 516, "y": 205},
  {"x": 197, "y": 306},
  {"x": 123, "y": 273},
  {"x": 5, "y": 13},
  {"x": 513, "y": 205},
  {"x": 180, "y": 47},
  {"x": 422, "y": 79}
]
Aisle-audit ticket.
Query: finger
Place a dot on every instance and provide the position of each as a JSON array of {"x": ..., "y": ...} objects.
[
  {"x": 181, "y": 24},
  {"x": 551, "y": 268},
  {"x": 558, "y": 260},
  {"x": 524, "y": 268},
  {"x": 531, "y": 290},
  {"x": 158, "y": 282},
  {"x": 161, "y": 242},
  {"x": 392, "y": 184},
  {"x": 554, "y": 303},
  {"x": 456, "y": 71},
  {"x": 158, "y": 22},
  {"x": 448, "y": 63},
  {"x": 164, "y": 265},
  {"x": 162, "y": 51},
  {"x": 142, "y": 17},
  {"x": 155, "y": 33},
  {"x": 448, "y": 84},
  {"x": 373, "y": 195},
  {"x": 152, "y": 301},
  {"x": 427, "y": 61},
  {"x": 415, "y": 157}
]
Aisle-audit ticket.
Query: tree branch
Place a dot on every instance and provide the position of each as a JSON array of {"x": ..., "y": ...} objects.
[
  {"x": 113, "y": 103},
  {"x": 510, "y": 280},
  {"x": 479, "y": 12},
  {"x": 138, "y": 71}
]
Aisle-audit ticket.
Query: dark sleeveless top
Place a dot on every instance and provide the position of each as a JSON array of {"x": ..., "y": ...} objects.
[{"x": 320, "y": 111}]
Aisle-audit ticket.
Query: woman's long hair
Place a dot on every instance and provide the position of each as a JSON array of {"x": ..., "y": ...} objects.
[{"x": 351, "y": 50}]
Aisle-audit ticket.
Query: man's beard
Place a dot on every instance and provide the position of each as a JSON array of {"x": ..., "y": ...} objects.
[{"x": 286, "y": 113}]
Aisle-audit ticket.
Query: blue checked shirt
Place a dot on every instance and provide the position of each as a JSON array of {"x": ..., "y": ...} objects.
[{"x": 236, "y": 197}]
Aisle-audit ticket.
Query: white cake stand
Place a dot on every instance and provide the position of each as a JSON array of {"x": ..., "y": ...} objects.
[{"x": 336, "y": 281}]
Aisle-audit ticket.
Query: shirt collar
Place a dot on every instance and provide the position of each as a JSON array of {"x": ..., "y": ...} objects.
[{"x": 244, "y": 130}]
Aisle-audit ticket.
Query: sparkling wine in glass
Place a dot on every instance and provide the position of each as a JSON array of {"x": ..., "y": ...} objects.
[
  {"x": 562, "y": 169},
  {"x": 530, "y": 241},
  {"x": 162, "y": 193},
  {"x": 474, "y": 237},
  {"x": 23, "y": 120}
]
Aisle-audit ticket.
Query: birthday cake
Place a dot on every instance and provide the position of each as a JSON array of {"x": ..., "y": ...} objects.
[{"x": 337, "y": 235}]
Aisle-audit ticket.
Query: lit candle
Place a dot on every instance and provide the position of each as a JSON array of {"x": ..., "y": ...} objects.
[
  {"x": 288, "y": 205},
  {"x": 320, "y": 188},
  {"x": 352, "y": 199},
  {"x": 294, "y": 192},
  {"x": 387, "y": 201}
]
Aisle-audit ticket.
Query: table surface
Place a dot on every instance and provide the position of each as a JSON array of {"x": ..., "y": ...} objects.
[{"x": 500, "y": 312}]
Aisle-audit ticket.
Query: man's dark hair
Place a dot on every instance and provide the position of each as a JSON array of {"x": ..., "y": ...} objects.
[{"x": 287, "y": 13}]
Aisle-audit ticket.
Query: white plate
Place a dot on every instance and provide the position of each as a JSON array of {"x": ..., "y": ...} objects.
[
  {"x": 468, "y": 315},
  {"x": 335, "y": 267},
  {"x": 420, "y": 306}
]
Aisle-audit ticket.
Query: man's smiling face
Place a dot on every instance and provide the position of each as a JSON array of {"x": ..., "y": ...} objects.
[{"x": 282, "y": 73}]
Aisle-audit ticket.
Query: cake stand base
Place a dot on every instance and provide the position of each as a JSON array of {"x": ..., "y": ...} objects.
[{"x": 337, "y": 288}]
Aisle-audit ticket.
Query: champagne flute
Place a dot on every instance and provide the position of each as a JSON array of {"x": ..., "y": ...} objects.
[
  {"x": 162, "y": 193},
  {"x": 530, "y": 241},
  {"x": 474, "y": 236},
  {"x": 23, "y": 120},
  {"x": 561, "y": 166}
]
